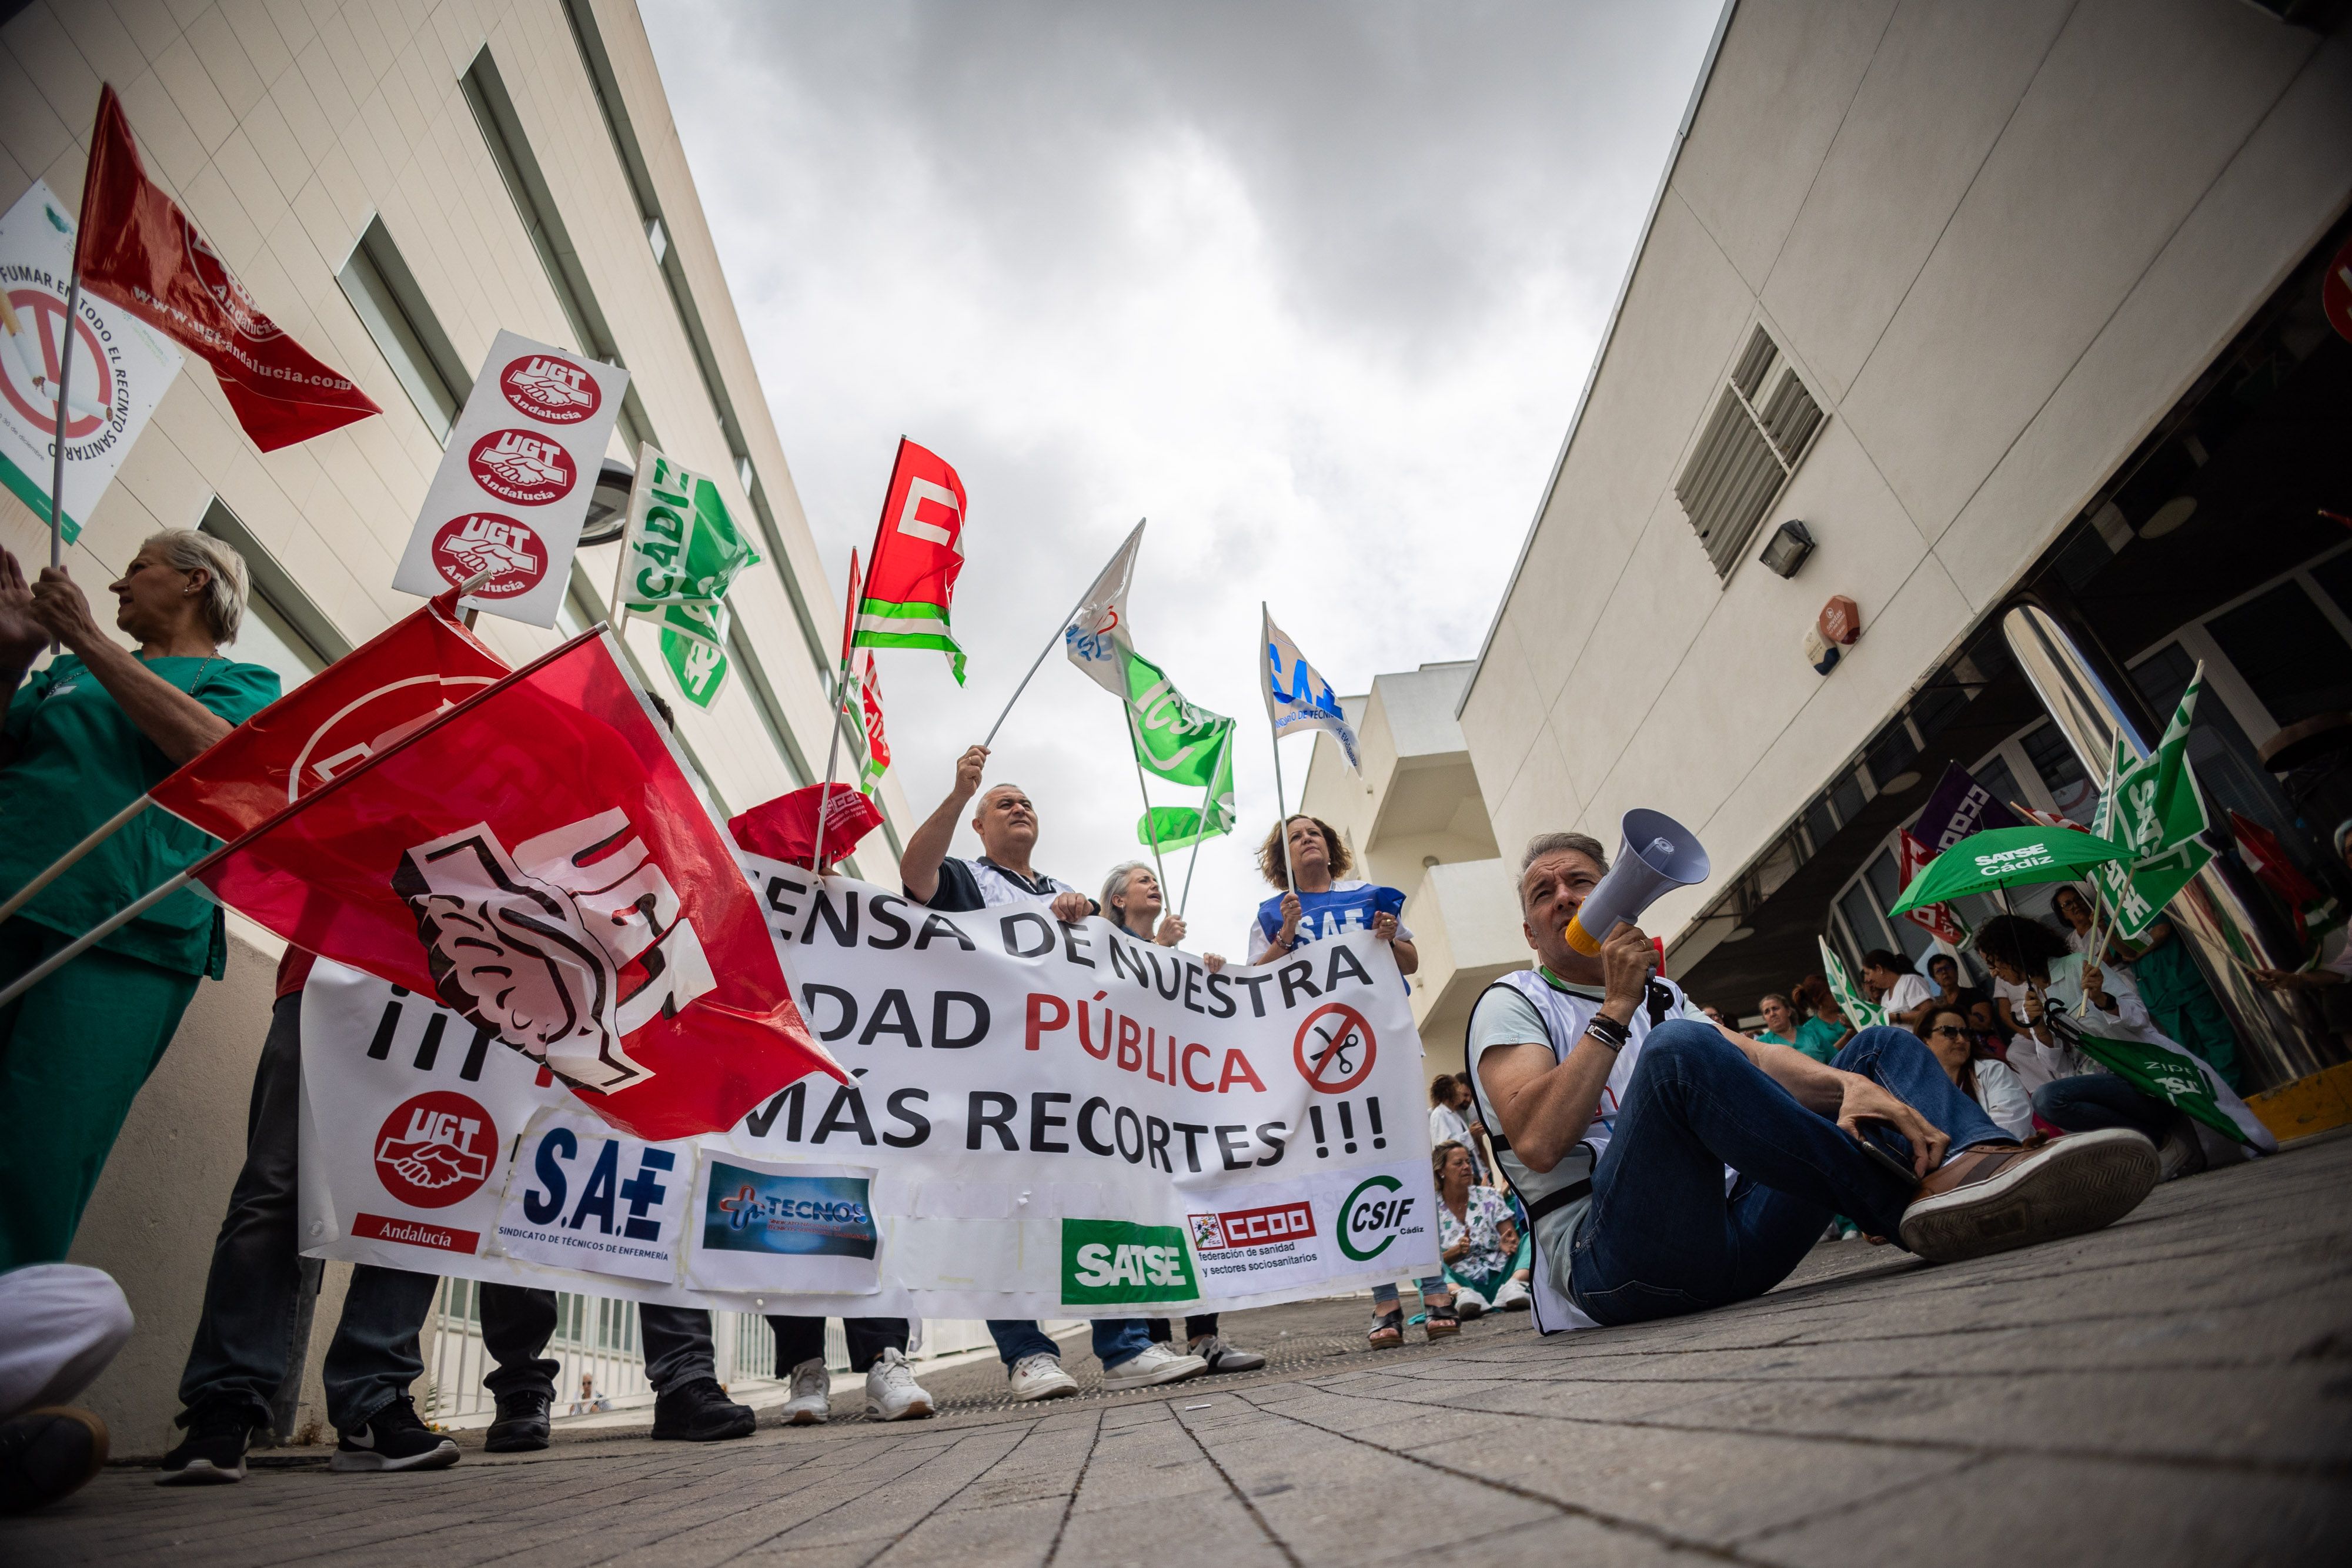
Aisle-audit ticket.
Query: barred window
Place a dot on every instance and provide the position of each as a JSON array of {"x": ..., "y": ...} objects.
[{"x": 1751, "y": 446}]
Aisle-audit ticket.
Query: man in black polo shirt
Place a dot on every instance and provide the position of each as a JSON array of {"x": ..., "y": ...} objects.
[{"x": 1007, "y": 825}]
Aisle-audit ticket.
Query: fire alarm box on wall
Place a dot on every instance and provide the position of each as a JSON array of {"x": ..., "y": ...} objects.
[{"x": 1834, "y": 631}]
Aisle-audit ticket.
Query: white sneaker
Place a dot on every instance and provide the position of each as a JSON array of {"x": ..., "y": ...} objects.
[
  {"x": 1040, "y": 1377},
  {"x": 812, "y": 1401},
  {"x": 1468, "y": 1304},
  {"x": 1512, "y": 1297},
  {"x": 1156, "y": 1365},
  {"x": 892, "y": 1391}
]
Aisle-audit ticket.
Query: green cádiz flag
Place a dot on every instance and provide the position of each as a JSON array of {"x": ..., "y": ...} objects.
[
  {"x": 682, "y": 552},
  {"x": 1168, "y": 828},
  {"x": 2157, "y": 812},
  {"x": 1180, "y": 742},
  {"x": 1860, "y": 1011},
  {"x": 2178, "y": 1078}
]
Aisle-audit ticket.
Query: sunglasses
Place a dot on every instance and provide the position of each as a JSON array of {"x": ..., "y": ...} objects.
[{"x": 1947, "y": 1028}]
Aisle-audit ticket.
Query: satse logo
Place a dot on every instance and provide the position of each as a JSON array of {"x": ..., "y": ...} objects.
[
  {"x": 1112, "y": 1260},
  {"x": 555, "y": 392},
  {"x": 519, "y": 466},
  {"x": 1373, "y": 1210},
  {"x": 487, "y": 541},
  {"x": 562, "y": 948},
  {"x": 435, "y": 1149}
]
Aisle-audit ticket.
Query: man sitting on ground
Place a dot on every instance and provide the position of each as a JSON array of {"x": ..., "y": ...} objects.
[
  {"x": 1007, "y": 825},
  {"x": 1669, "y": 1164}
]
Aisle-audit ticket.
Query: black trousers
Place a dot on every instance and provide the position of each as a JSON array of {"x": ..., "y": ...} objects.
[
  {"x": 1194, "y": 1327},
  {"x": 803, "y": 1339}
]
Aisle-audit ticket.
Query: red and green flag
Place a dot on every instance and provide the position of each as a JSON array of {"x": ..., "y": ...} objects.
[{"x": 917, "y": 551}]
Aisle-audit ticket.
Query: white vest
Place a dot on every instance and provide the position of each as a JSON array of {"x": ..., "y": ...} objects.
[
  {"x": 1566, "y": 1014},
  {"x": 998, "y": 887}
]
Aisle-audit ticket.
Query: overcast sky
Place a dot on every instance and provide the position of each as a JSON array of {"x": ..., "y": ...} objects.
[{"x": 1312, "y": 287}]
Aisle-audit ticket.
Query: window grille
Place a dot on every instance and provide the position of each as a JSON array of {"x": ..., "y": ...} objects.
[{"x": 1752, "y": 444}]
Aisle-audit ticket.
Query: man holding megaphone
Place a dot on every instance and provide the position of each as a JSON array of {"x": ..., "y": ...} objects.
[{"x": 1670, "y": 1165}]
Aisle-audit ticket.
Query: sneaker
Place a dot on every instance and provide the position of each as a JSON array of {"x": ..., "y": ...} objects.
[
  {"x": 812, "y": 1401},
  {"x": 1040, "y": 1377},
  {"x": 1153, "y": 1365},
  {"x": 393, "y": 1439},
  {"x": 51, "y": 1452},
  {"x": 1468, "y": 1304},
  {"x": 1513, "y": 1297},
  {"x": 892, "y": 1391},
  {"x": 1223, "y": 1357},
  {"x": 213, "y": 1453},
  {"x": 1993, "y": 1197},
  {"x": 522, "y": 1423},
  {"x": 2180, "y": 1154},
  {"x": 701, "y": 1412}
]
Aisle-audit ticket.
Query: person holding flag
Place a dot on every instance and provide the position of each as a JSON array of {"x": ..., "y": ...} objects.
[{"x": 84, "y": 738}]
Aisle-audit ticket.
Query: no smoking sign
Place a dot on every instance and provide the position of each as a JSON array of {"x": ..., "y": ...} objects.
[{"x": 1334, "y": 1049}]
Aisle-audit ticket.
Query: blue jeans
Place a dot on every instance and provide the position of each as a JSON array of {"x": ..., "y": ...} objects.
[
  {"x": 1662, "y": 1238},
  {"x": 1384, "y": 1297},
  {"x": 2090, "y": 1100},
  {"x": 1116, "y": 1340}
]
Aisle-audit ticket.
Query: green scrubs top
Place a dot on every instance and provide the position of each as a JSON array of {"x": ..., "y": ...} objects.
[
  {"x": 77, "y": 759},
  {"x": 1818, "y": 1037}
]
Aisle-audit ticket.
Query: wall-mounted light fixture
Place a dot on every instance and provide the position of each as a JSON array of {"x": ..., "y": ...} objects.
[{"x": 1786, "y": 551}]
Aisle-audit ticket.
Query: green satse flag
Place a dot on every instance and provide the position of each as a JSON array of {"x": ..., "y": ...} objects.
[
  {"x": 1168, "y": 828},
  {"x": 1860, "y": 1011},
  {"x": 2157, "y": 812},
  {"x": 694, "y": 646},
  {"x": 2179, "y": 1080},
  {"x": 1179, "y": 742},
  {"x": 684, "y": 552}
]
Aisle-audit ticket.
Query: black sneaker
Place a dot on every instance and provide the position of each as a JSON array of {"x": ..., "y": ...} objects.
[
  {"x": 701, "y": 1412},
  {"x": 213, "y": 1453},
  {"x": 393, "y": 1439},
  {"x": 46, "y": 1454},
  {"x": 522, "y": 1422}
]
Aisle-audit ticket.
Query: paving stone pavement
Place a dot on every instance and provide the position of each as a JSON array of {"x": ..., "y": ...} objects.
[{"x": 2176, "y": 1389}]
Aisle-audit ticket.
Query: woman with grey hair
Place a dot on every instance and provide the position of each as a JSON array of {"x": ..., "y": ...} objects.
[
  {"x": 79, "y": 740},
  {"x": 1131, "y": 900}
]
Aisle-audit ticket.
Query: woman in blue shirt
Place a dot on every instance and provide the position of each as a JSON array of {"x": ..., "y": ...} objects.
[{"x": 81, "y": 739}]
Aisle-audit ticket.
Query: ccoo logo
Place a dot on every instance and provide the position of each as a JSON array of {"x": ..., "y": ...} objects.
[
  {"x": 551, "y": 391},
  {"x": 523, "y": 467},
  {"x": 489, "y": 541},
  {"x": 435, "y": 1149}
]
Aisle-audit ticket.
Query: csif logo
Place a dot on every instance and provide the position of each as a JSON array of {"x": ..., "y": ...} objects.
[
  {"x": 1373, "y": 1215},
  {"x": 1109, "y": 1261}
]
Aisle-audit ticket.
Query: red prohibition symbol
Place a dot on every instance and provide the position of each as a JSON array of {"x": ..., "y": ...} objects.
[{"x": 1334, "y": 1049}]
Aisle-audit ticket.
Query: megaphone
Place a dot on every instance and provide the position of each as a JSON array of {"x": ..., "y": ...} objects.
[{"x": 1657, "y": 853}]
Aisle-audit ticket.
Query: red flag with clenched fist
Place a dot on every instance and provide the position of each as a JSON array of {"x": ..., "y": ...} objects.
[
  {"x": 137, "y": 248},
  {"x": 419, "y": 667},
  {"x": 537, "y": 859}
]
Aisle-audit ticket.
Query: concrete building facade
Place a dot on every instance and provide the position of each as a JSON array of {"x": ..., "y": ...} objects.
[
  {"x": 2006, "y": 305},
  {"x": 395, "y": 183}
]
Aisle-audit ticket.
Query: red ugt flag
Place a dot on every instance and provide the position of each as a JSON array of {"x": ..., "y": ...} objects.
[
  {"x": 536, "y": 858},
  {"x": 138, "y": 249},
  {"x": 388, "y": 688}
]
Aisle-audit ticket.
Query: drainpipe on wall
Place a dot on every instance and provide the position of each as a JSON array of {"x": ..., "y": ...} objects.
[{"x": 2089, "y": 698}]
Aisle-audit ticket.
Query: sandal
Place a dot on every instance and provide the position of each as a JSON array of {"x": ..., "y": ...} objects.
[
  {"x": 1442, "y": 1322},
  {"x": 1388, "y": 1330}
]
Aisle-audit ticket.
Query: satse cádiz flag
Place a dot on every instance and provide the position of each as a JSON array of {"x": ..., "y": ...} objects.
[
  {"x": 536, "y": 858},
  {"x": 917, "y": 551},
  {"x": 138, "y": 249}
]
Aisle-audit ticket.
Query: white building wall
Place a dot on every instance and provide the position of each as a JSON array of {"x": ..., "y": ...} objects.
[{"x": 1997, "y": 241}]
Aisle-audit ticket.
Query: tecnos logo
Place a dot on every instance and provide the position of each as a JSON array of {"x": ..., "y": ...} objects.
[
  {"x": 1108, "y": 1262},
  {"x": 522, "y": 466},
  {"x": 435, "y": 1149},
  {"x": 551, "y": 391},
  {"x": 1373, "y": 1215},
  {"x": 489, "y": 541}
]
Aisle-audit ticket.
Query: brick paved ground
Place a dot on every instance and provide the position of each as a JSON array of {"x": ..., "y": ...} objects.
[{"x": 2175, "y": 1389}]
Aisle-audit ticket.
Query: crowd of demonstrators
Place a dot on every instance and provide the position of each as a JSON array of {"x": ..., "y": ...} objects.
[
  {"x": 2175, "y": 993},
  {"x": 1453, "y": 1119},
  {"x": 1479, "y": 1240}
]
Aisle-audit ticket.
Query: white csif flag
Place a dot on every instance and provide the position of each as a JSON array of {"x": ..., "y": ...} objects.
[
  {"x": 1297, "y": 697},
  {"x": 1095, "y": 638}
]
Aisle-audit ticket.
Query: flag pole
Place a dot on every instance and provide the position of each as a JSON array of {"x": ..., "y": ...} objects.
[
  {"x": 2098, "y": 913},
  {"x": 831, "y": 760},
  {"x": 1150, "y": 828},
  {"x": 1059, "y": 627},
  {"x": 1202, "y": 831},
  {"x": 1281, "y": 809},
  {"x": 615, "y": 608},
  {"x": 58, "y": 463},
  {"x": 90, "y": 938},
  {"x": 64, "y": 863}
]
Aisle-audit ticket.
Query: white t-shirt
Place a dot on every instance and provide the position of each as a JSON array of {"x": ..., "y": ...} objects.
[{"x": 1909, "y": 992}]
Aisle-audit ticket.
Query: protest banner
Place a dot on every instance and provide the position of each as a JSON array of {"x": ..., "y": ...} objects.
[
  {"x": 513, "y": 486},
  {"x": 1040, "y": 1120},
  {"x": 122, "y": 367}
]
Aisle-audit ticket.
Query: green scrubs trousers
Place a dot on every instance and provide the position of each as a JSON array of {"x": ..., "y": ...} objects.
[{"x": 73, "y": 1053}]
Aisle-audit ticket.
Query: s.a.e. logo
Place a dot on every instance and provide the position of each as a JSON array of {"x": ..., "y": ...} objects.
[
  {"x": 1374, "y": 1215},
  {"x": 1107, "y": 1261},
  {"x": 435, "y": 1149},
  {"x": 552, "y": 390},
  {"x": 517, "y": 466}
]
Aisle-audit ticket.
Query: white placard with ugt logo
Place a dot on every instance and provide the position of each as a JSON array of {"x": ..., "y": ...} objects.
[{"x": 512, "y": 490}]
